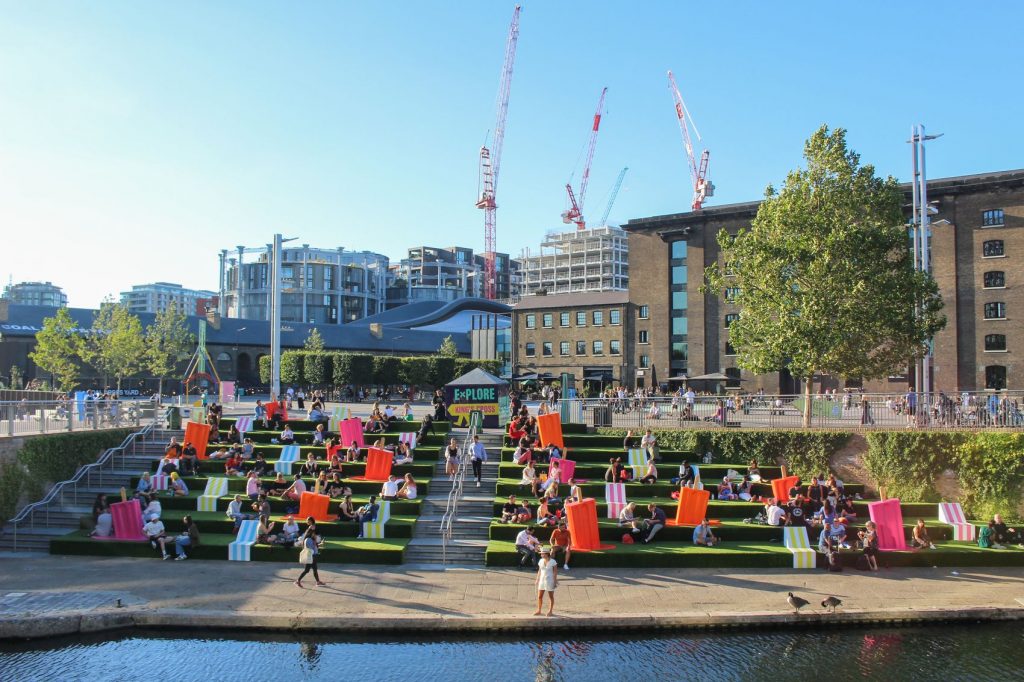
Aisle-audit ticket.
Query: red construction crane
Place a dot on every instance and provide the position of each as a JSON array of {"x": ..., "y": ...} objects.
[
  {"x": 490, "y": 160},
  {"x": 575, "y": 212},
  {"x": 702, "y": 187}
]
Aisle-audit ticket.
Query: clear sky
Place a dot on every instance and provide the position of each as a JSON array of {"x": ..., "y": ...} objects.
[{"x": 137, "y": 139}]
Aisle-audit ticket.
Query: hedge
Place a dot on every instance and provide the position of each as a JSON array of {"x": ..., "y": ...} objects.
[{"x": 315, "y": 368}]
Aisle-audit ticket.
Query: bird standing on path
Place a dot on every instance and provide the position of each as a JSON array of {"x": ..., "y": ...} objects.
[
  {"x": 831, "y": 603},
  {"x": 796, "y": 602}
]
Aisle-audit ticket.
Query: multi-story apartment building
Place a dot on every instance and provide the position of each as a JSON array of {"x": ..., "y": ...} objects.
[
  {"x": 320, "y": 286},
  {"x": 977, "y": 259},
  {"x": 445, "y": 274},
  {"x": 589, "y": 335},
  {"x": 595, "y": 259},
  {"x": 156, "y": 297},
  {"x": 36, "y": 293}
]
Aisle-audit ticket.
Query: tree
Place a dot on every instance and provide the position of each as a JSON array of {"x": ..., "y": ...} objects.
[
  {"x": 361, "y": 368},
  {"x": 341, "y": 364},
  {"x": 168, "y": 343},
  {"x": 115, "y": 344},
  {"x": 824, "y": 278},
  {"x": 58, "y": 346},
  {"x": 291, "y": 366},
  {"x": 448, "y": 348},
  {"x": 314, "y": 342},
  {"x": 16, "y": 383},
  {"x": 386, "y": 370}
]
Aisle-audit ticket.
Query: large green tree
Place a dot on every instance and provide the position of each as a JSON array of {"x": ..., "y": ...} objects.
[
  {"x": 824, "y": 278},
  {"x": 168, "y": 343},
  {"x": 115, "y": 344},
  {"x": 58, "y": 347}
]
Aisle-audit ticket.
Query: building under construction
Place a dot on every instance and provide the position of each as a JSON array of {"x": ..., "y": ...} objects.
[{"x": 594, "y": 259}]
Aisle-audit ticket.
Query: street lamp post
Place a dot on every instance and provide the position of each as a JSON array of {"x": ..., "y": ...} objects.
[
  {"x": 275, "y": 315},
  {"x": 922, "y": 234}
]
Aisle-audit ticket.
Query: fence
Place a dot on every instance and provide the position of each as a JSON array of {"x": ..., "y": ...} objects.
[
  {"x": 107, "y": 461},
  {"x": 851, "y": 411},
  {"x": 33, "y": 417}
]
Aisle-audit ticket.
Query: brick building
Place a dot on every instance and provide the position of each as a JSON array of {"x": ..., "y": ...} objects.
[
  {"x": 589, "y": 335},
  {"x": 977, "y": 259}
]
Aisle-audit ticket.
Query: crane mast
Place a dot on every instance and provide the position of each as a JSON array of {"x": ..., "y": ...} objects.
[
  {"x": 702, "y": 187},
  {"x": 490, "y": 161},
  {"x": 613, "y": 195},
  {"x": 575, "y": 212}
]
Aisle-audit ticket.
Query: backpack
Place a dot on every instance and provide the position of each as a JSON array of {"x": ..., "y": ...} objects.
[{"x": 627, "y": 539}]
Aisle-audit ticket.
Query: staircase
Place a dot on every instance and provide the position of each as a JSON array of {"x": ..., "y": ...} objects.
[
  {"x": 64, "y": 513},
  {"x": 470, "y": 526}
]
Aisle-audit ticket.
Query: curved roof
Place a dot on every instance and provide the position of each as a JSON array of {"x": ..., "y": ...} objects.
[{"x": 430, "y": 313}]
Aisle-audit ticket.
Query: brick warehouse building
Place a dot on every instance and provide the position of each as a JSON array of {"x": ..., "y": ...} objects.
[{"x": 977, "y": 259}]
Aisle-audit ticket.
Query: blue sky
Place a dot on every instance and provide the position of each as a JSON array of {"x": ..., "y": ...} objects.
[{"x": 138, "y": 139}]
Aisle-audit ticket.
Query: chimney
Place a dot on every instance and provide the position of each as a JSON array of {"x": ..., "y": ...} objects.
[
  {"x": 213, "y": 317},
  {"x": 376, "y": 330},
  {"x": 5, "y": 309}
]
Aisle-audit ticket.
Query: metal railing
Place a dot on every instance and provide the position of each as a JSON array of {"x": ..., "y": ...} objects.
[
  {"x": 32, "y": 417},
  {"x": 455, "y": 494},
  {"x": 850, "y": 411},
  {"x": 105, "y": 461}
]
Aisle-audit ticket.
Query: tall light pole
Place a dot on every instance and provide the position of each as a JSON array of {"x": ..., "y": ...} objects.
[
  {"x": 275, "y": 315},
  {"x": 922, "y": 234}
]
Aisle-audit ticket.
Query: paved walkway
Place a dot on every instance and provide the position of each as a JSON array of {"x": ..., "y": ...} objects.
[{"x": 221, "y": 594}]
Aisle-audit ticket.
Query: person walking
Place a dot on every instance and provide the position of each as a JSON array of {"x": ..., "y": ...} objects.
[
  {"x": 308, "y": 556},
  {"x": 547, "y": 581},
  {"x": 479, "y": 456}
]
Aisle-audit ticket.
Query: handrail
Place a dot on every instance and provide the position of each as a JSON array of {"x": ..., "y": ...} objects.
[
  {"x": 455, "y": 494},
  {"x": 29, "y": 510}
]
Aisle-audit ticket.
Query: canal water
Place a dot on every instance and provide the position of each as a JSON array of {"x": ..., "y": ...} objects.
[{"x": 941, "y": 652}]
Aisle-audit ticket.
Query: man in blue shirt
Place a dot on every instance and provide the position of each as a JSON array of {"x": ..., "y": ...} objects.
[
  {"x": 703, "y": 536},
  {"x": 478, "y": 455}
]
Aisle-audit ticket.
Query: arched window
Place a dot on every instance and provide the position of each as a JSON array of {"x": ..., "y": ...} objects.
[
  {"x": 992, "y": 248},
  {"x": 223, "y": 357},
  {"x": 995, "y": 377}
]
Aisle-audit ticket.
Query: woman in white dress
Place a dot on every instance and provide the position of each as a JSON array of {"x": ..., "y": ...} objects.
[{"x": 547, "y": 581}]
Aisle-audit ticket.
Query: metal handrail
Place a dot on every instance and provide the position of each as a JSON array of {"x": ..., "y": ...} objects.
[
  {"x": 455, "y": 494},
  {"x": 85, "y": 471}
]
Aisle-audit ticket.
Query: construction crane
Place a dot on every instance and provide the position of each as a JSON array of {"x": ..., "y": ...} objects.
[
  {"x": 702, "y": 187},
  {"x": 490, "y": 161},
  {"x": 612, "y": 196},
  {"x": 574, "y": 214}
]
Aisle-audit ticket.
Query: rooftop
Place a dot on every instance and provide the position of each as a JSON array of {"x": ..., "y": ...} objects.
[{"x": 575, "y": 300}]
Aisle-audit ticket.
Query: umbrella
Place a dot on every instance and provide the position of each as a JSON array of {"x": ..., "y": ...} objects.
[
  {"x": 681, "y": 377},
  {"x": 714, "y": 376},
  {"x": 654, "y": 376}
]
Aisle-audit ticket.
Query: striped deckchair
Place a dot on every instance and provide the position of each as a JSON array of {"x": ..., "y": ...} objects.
[
  {"x": 239, "y": 549},
  {"x": 159, "y": 481},
  {"x": 796, "y": 541},
  {"x": 952, "y": 513},
  {"x": 636, "y": 460},
  {"x": 409, "y": 438},
  {"x": 289, "y": 455},
  {"x": 337, "y": 416},
  {"x": 215, "y": 488},
  {"x": 615, "y": 498},
  {"x": 375, "y": 529},
  {"x": 243, "y": 424}
]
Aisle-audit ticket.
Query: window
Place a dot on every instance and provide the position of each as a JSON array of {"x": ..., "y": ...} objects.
[
  {"x": 531, "y": 349},
  {"x": 679, "y": 300},
  {"x": 531, "y": 321},
  {"x": 598, "y": 318},
  {"x": 548, "y": 320},
  {"x": 615, "y": 316},
  {"x": 642, "y": 336},
  {"x": 563, "y": 347},
  {"x": 992, "y": 217},
  {"x": 731, "y": 293},
  {"x": 615, "y": 347},
  {"x": 995, "y": 311},
  {"x": 995, "y": 377},
  {"x": 644, "y": 312},
  {"x": 645, "y": 361},
  {"x": 678, "y": 250},
  {"x": 546, "y": 349},
  {"x": 729, "y": 350},
  {"x": 679, "y": 326},
  {"x": 992, "y": 248},
  {"x": 598, "y": 347},
  {"x": 581, "y": 348},
  {"x": 680, "y": 351},
  {"x": 995, "y": 342},
  {"x": 730, "y": 318},
  {"x": 679, "y": 274},
  {"x": 581, "y": 319},
  {"x": 563, "y": 319},
  {"x": 995, "y": 279},
  {"x": 734, "y": 377}
]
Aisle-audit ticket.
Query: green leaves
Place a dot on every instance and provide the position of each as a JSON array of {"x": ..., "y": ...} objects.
[
  {"x": 115, "y": 344},
  {"x": 314, "y": 342},
  {"x": 825, "y": 274},
  {"x": 168, "y": 342},
  {"x": 448, "y": 348},
  {"x": 58, "y": 347}
]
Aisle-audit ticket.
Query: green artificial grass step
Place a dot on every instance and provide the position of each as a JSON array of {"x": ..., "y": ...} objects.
[
  {"x": 662, "y": 489},
  {"x": 419, "y": 470},
  {"x": 306, "y": 425},
  {"x": 595, "y": 471},
  {"x": 236, "y": 484},
  {"x": 277, "y": 505},
  {"x": 215, "y": 546}
]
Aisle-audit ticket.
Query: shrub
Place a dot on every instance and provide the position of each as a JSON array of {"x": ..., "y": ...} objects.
[
  {"x": 990, "y": 469},
  {"x": 908, "y": 463}
]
